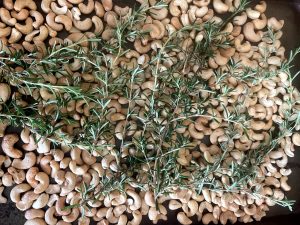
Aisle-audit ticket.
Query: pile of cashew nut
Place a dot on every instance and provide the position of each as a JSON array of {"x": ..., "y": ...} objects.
[{"x": 45, "y": 180}]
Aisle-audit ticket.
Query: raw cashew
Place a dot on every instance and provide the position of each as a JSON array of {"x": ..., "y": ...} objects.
[
  {"x": 228, "y": 215},
  {"x": 18, "y": 175},
  {"x": 174, "y": 204},
  {"x": 275, "y": 24},
  {"x": 35, "y": 221},
  {"x": 83, "y": 25},
  {"x": 6, "y": 18},
  {"x": 18, "y": 190},
  {"x": 136, "y": 200},
  {"x": 7, "y": 145},
  {"x": 43, "y": 184},
  {"x": 220, "y": 7},
  {"x": 98, "y": 24},
  {"x": 209, "y": 218},
  {"x": 50, "y": 19},
  {"x": 49, "y": 216},
  {"x": 41, "y": 201},
  {"x": 296, "y": 139},
  {"x": 76, "y": 169},
  {"x": 72, "y": 216},
  {"x": 22, "y": 15},
  {"x": 2, "y": 198},
  {"x": 137, "y": 218},
  {"x": 69, "y": 183},
  {"x": 58, "y": 10},
  {"x": 107, "y": 4},
  {"x": 43, "y": 145},
  {"x": 261, "y": 7},
  {"x": 8, "y": 4},
  {"x": 38, "y": 19},
  {"x": 149, "y": 199},
  {"x": 21, "y": 4},
  {"x": 252, "y": 14},
  {"x": 177, "y": 7},
  {"x": 5, "y": 93},
  {"x": 283, "y": 183},
  {"x": 27, "y": 28},
  {"x": 183, "y": 219},
  {"x": 250, "y": 34},
  {"x": 65, "y": 20},
  {"x": 34, "y": 213},
  {"x": 28, "y": 161}
]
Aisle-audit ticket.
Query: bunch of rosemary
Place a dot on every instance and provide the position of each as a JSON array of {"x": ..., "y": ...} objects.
[{"x": 147, "y": 158}]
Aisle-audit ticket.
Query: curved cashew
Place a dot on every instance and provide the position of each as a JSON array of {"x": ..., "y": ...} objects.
[
  {"x": 43, "y": 184},
  {"x": 296, "y": 139},
  {"x": 159, "y": 13},
  {"x": 35, "y": 221},
  {"x": 76, "y": 169},
  {"x": 5, "y": 93},
  {"x": 22, "y": 15},
  {"x": 107, "y": 4},
  {"x": 228, "y": 215},
  {"x": 261, "y": 7},
  {"x": 88, "y": 158},
  {"x": 156, "y": 29},
  {"x": 149, "y": 199},
  {"x": 2, "y": 198},
  {"x": 252, "y": 14},
  {"x": 137, "y": 218},
  {"x": 137, "y": 203},
  {"x": 183, "y": 219},
  {"x": 87, "y": 9},
  {"x": 7, "y": 145},
  {"x": 283, "y": 183},
  {"x": 220, "y": 7},
  {"x": 99, "y": 10},
  {"x": 98, "y": 25},
  {"x": 8, "y": 4},
  {"x": 250, "y": 34},
  {"x": 41, "y": 201},
  {"x": 209, "y": 218},
  {"x": 34, "y": 213},
  {"x": 7, "y": 180},
  {"x": 58, "y": 10},
  {"x": 69, "y": 183},
  {"x": 6, "y": 18},
  {"x": 65, "y": 20},
  {"x": 272, "y": 181},
  {"x": 43, "y": 145},
  {"x": 49, "y": 216},
  {"x": 18, "y": 175},
  {"x": 174, "y": 205},
  {"x": 21, "y": 4},
  {"x": 240, "y": 20},
  {"x": 26, "y": 163},
  {"x": 50, "y": 19},
  {"x": 84, "y": 25},
  {"x": 38, "y": 19},
  {"x": 177, "y": 7},
  {"x": 260, "y": 24},
  {"x": 15, "y": 36},
  {"x": 72, "y": 216},
  {"x": 275, "y": 24},
  {"x": 60, "y": 207},
  {"x": 18, "y": 190}
]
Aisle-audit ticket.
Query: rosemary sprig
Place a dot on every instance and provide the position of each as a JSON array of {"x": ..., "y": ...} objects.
[{"x": 148, "y": 161}]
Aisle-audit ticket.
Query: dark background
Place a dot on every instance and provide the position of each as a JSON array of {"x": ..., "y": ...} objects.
[{"x": 289, "y": 10}]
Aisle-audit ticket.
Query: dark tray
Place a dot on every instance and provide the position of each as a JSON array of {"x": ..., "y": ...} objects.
[{"x": 289, "y": 11}]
